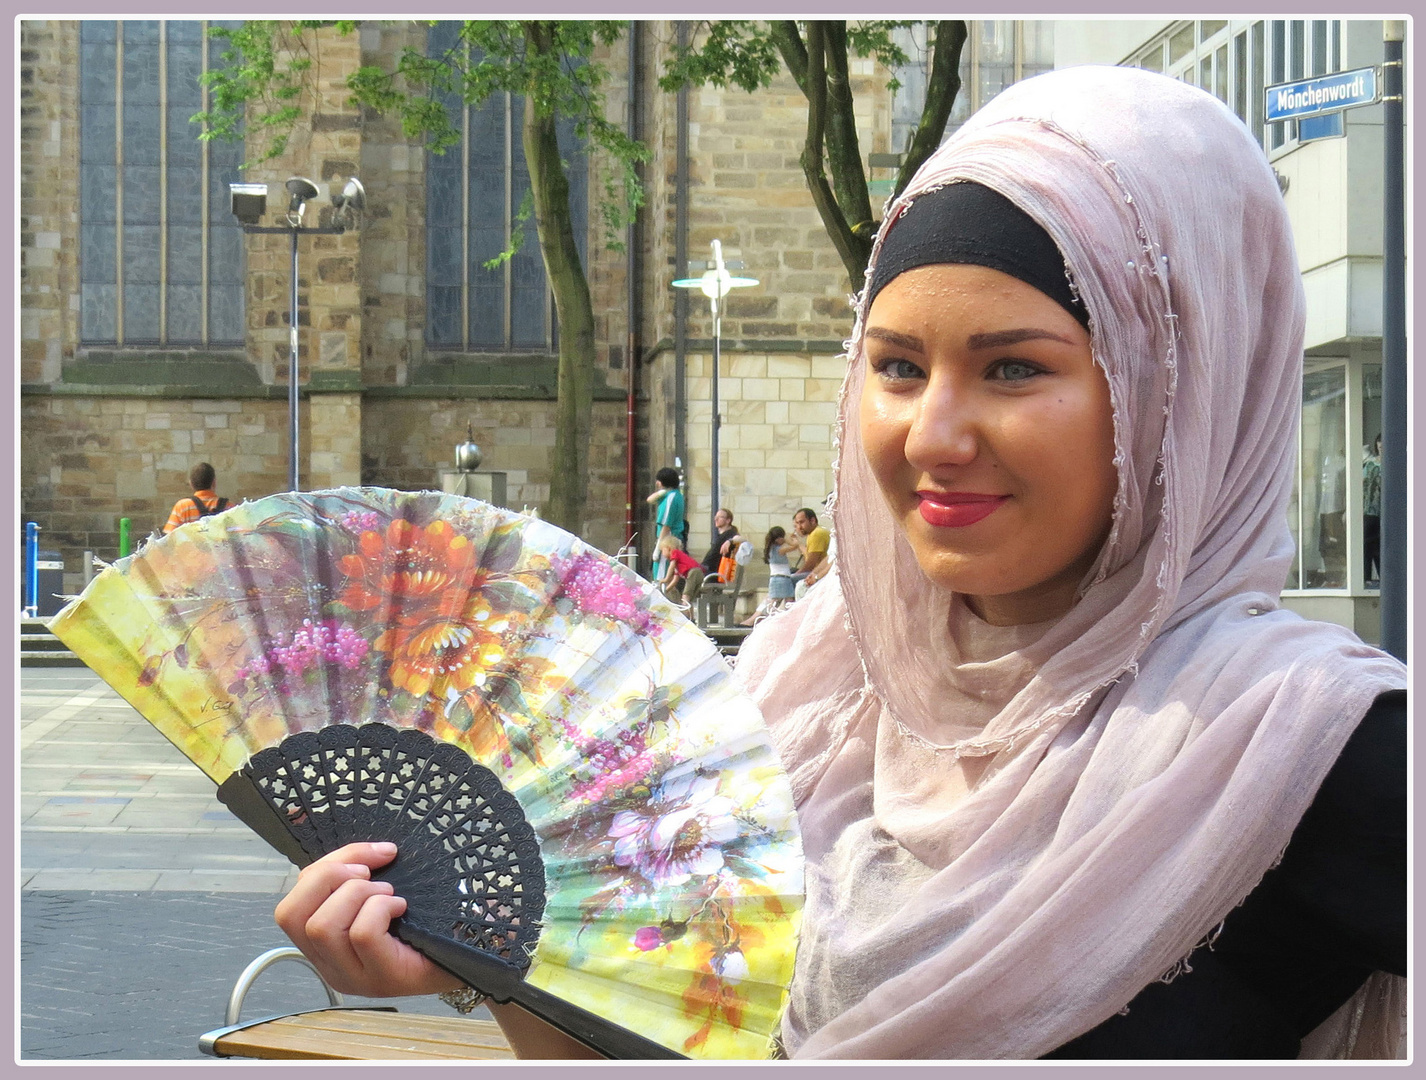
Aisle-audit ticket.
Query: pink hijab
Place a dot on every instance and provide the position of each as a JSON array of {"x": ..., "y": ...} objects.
[{"x": 1011, "y": 831}]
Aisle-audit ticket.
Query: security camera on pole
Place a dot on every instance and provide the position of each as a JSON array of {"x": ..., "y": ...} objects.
[{"x": 249, "y": 203}]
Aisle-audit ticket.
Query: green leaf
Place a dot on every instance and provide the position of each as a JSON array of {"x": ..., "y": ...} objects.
[
  {"x": 512, "y": 596},
  {"x": 502, "y": 550},
  {"x": 744, "y": 868}
]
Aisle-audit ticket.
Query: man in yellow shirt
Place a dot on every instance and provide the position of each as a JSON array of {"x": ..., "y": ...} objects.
[{"x": 815, "y": 541}]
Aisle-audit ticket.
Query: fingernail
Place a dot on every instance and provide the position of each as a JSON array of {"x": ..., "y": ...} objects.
[{"x": 385, "y": 847}]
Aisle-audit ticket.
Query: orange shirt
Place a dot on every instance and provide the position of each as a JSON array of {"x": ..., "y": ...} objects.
[{"x": 184, "y": 511}]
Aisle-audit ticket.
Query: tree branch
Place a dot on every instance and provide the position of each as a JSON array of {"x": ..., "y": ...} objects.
[
  {"x": 844, "y": 158},
  {"x": 785, "y": 36},
  {"x": 942, "y": 87},
  {"x": 832, "y": 218}
]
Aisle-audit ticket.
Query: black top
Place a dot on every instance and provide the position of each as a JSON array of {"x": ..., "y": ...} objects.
[
  {"x": 1331, "y": 913},
  {"x": 710, "y": 561}
]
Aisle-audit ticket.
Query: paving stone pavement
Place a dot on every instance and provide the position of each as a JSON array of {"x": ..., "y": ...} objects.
[
  {"x": 140, "y": 975},
  {"x": 142, "y": 897}
]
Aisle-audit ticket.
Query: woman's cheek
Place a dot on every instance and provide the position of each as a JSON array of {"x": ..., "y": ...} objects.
[{"x": 883, "y": 430}]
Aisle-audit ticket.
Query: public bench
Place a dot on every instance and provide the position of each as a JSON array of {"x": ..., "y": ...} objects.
[{"x": 347, "y": 1033}]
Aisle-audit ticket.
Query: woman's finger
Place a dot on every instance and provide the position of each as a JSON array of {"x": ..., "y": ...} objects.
[
  {"x": 315, "y": 885},
  {"x": 392, "y": 965},
  {"x": 328, "y": 934},
  {"x": 317, "y": 882}
]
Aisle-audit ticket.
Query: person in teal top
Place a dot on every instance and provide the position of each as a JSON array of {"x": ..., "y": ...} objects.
[{"x": 669, "y": 515}]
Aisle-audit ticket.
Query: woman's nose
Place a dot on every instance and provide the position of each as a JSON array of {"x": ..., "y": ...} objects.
[{"x": 944, "y": 428}]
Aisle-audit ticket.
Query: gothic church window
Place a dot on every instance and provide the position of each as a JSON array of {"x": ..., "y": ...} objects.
[{"x": 161, "y": 258}]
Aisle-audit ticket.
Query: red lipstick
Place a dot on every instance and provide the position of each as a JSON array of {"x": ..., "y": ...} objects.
[{"x": 956, "y": 509}]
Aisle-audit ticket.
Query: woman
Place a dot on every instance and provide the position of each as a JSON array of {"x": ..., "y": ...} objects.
[
  {"x": 777, "y": 545},
  {"x": 776, "y": 548},
  {"x": 1073, "y": 759},
  {"x": 1084, "y": 731}
]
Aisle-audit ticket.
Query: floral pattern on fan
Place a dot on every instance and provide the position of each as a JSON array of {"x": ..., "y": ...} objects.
[{"x": 666, "y": 825}]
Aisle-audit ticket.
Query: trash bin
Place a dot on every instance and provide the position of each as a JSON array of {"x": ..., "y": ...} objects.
[{"x": 51, "y": 574}]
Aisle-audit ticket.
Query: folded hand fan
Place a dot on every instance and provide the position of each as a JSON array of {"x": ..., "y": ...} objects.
[{"x": 590, "y": 817}]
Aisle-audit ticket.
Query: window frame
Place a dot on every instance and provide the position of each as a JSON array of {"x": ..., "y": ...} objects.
[
  {"x": 1262, "y": 50},
  {"x": 123, "y": 270},
  {"x": 516, "y": 178}
]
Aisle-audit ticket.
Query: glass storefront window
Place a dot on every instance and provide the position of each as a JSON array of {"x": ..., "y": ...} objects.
[
  {"x": 995, "y": 57},
  {"x": 1319, "y": 518},
  {"x": 1371, "y": 475}
]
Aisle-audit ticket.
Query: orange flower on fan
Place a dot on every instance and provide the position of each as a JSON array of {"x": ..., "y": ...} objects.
[
  {"x": 409, "y": 568},
  {"x": 440, "y": 633},
  {"x": 431, "y": 655}
]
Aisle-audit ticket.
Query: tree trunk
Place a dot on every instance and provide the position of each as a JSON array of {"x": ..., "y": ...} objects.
[
  {"x": 569, "y": 479},
  {"x": 820, "y": 67}
]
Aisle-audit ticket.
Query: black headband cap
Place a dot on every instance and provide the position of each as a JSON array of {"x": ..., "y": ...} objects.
[{"x": 966, "y": 222}]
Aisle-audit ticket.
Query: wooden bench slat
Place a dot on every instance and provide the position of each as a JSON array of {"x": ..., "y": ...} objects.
[
  {"x": 453, "y": 1030},
  {"x": 354, "y": 1035}
]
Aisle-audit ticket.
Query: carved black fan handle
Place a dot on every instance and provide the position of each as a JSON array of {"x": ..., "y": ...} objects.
[{"x": 501, "y": 980}]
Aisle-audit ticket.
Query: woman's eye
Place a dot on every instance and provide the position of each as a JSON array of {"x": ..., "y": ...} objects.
[
  {"x": 1014, "y": 371},
  {"x": 897, "y": 370}
]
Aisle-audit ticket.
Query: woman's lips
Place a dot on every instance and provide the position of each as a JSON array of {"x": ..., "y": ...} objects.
[{"x": 956, "y": 509}]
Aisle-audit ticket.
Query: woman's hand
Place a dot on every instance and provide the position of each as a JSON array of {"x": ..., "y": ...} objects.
[{"x": 340, "y": 920}]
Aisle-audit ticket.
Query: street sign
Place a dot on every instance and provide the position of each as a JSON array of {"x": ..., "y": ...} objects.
[
  {"x": 1323, "y": 94},
  {"x": 1325, "y": 126}
]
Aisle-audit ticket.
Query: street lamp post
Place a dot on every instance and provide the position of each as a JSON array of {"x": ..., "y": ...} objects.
[
  {"x": 715, "y": 284},
  {"x": 1394, "y": 473},
  {"x": 249, "y": 203}
]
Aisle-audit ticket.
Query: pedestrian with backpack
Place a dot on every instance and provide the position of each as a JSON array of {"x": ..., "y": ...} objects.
[{"x": 204, "y": 502}]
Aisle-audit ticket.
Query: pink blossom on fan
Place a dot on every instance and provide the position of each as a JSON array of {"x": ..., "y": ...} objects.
[
  {"x": 678, "y": 834},
  {"x": 312, "y": 645},
  {"x": 598, "y": 588},
  {"x": 648, "y": 938},
  {"x": 608, "y": 765},
  {"x": 358, "y": 521}
]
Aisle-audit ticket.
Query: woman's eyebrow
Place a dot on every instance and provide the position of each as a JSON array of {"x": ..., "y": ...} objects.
[
  {"x": 998, "y": 338},
  {"x": 905, "y": 341}
]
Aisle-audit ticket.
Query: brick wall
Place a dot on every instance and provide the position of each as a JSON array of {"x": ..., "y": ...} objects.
[
  {"x": 780, "y": 339},
  {"x": 392, "y": 239}
]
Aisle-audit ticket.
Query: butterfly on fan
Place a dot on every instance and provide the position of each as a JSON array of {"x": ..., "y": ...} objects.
[{"x": 590, "y": 816}]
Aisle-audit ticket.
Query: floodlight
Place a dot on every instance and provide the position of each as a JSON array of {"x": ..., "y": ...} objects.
[
  {"x": 352, "y": 196},
  {"x": 248, "y": 202},
  {"x": 302, "y": 189}
]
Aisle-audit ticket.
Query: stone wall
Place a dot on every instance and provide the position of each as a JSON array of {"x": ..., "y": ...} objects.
[
  {"x": 780, "y": 369},
  {"x": 87, "y": 461},
  {"x": 407, "y": 440},
  {"x": 49, "y": 197},
  {"x": 113, "y": 433},
  {"x": 393, "y": 242}
]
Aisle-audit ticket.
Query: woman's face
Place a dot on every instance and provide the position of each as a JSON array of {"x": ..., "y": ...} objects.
[{"x": 989, "y": 428}]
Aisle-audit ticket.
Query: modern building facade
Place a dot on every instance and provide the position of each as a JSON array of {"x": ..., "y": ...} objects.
[{"x": 1333, "y": 189}]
